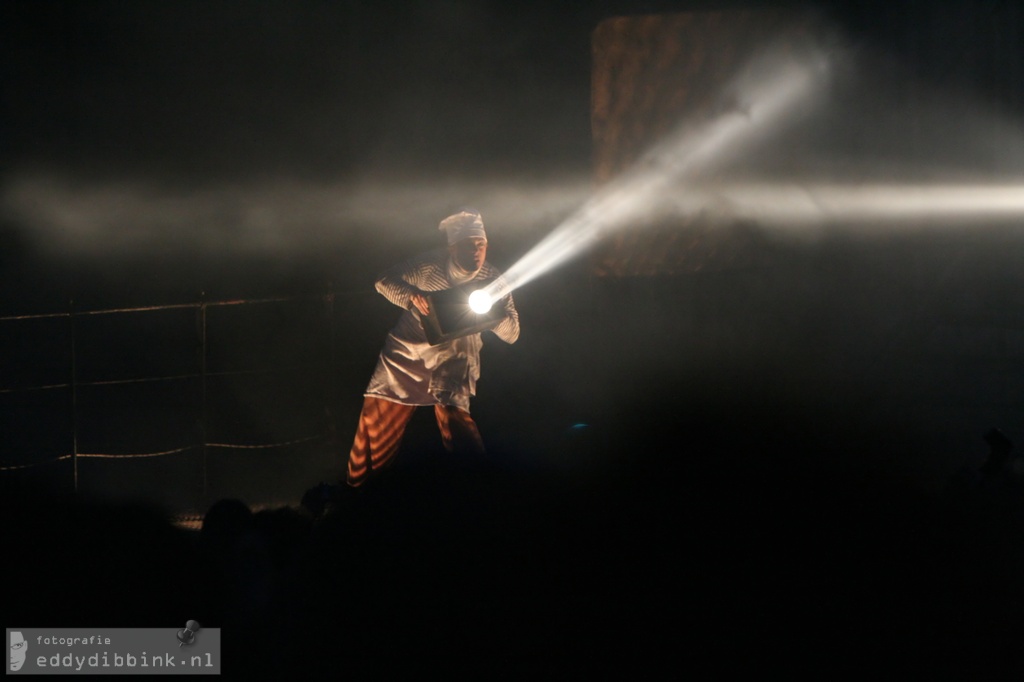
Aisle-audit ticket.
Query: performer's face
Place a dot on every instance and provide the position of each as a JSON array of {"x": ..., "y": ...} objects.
[{"x": 469, "y": 253}]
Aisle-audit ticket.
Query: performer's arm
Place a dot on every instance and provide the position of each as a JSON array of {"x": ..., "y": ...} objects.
[
  {"x": 508, "y": 329},
  {"x": 399, "y": 285}
]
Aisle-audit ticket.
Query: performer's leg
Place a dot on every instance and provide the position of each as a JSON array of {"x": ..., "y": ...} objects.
[
  {"x": 381, "y": 426},
  {"x": 458, "y": 430}
]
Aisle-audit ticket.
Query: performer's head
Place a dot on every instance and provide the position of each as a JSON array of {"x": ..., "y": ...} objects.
[{"x": 467, "y": 241}]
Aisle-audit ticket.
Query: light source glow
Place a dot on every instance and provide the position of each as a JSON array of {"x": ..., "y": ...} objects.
[{"x": 480, "y": 302}]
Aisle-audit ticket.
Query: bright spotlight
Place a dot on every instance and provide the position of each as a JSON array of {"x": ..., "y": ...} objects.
[
  {"x": 480, "y": 302},
  {"x": 769, "y": 99}
]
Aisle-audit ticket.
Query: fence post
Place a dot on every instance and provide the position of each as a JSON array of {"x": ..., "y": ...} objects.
[
  {"x": 74, "y": 397},
  {"x": 204, "y": 417},
  {"x": 331, "y": 392}
]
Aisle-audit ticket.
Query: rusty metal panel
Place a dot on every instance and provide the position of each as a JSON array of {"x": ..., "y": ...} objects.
[{"x": 650, "y": 73}]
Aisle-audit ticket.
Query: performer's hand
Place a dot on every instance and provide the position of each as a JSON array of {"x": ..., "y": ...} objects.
[{"x": 420, "y": 301}]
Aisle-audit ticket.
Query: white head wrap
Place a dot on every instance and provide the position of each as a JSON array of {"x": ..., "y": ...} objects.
[{"x": 466, "y": 223}]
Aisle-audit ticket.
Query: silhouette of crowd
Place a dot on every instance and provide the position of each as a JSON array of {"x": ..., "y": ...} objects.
[{"x": 708, "y": 548}]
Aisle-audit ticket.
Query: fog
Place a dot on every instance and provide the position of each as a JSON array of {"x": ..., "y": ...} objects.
[
  {"x": 769, "y": 437},
  {"x": 171, "y": 155}
]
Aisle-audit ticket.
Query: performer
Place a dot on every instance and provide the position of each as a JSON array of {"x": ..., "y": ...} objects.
[{"x": 410, "y": 371}]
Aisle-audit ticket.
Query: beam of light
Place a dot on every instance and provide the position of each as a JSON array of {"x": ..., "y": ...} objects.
[
  {"x": 768, "y": 94},
  {"x": 76, "y": 218},
  {"x": 889, "y": 202},
  {"x": 800, "y": 204}
]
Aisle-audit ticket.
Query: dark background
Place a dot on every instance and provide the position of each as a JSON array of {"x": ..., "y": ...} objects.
[
  {"x": 802, "y": 417},
  {"x": 172, "y": 153}
]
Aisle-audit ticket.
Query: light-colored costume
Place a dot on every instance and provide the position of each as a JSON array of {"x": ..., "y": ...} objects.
[{"x": 410, "y": 372}]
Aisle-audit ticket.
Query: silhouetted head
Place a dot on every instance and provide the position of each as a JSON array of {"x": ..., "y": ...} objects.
[
  {"x": 226, "y": 520},
  {"x": 999, "y": 451}
]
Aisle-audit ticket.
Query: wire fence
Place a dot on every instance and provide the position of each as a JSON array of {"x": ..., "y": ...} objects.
[{"x": 201, "y": 440}]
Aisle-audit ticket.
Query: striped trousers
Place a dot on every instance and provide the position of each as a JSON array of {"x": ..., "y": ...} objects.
[{"x": 381, "y": 427}]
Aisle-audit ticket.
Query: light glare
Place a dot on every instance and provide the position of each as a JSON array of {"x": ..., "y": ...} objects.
[{"x": 480, "y": 302}]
